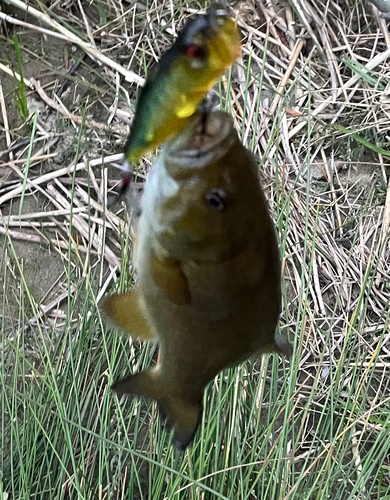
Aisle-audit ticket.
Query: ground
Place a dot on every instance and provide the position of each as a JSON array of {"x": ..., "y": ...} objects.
[{"x": 315, "y": 112}]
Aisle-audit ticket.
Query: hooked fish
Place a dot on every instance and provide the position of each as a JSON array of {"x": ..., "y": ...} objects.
[
  {"x": 208, "y": 271},
  {"x": 204, "y": 49}
]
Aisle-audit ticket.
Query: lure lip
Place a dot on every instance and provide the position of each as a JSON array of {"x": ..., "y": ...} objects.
[
  {"x": 200, "y": 144},
  {"x": 218, "y": 15},
  {"x": 209, "y": 23}
]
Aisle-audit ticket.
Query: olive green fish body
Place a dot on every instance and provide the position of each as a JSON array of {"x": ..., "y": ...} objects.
[
  {"x": 227, "y": 259},
  {"x": 208, "y": 269},
  {"x": 204, "y": 49}
]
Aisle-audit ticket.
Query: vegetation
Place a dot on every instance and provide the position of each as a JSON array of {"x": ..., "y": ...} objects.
[{"x": 310, "y": 98}]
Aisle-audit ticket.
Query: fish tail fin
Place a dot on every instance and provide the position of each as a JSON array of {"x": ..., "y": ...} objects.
[
  {"x": 182, "y": 416},
  {"x": 283, "y": 346}
]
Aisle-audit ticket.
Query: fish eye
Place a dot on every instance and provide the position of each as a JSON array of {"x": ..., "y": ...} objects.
[
  {"x": 195, "y": 52},
  {"x": 216, "y": 199}
]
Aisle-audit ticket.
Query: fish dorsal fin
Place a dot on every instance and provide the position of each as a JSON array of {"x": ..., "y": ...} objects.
[{"x": 125, "y": 310}]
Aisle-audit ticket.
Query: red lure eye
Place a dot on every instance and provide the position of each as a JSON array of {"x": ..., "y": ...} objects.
[{"x": 195, "y": 52}]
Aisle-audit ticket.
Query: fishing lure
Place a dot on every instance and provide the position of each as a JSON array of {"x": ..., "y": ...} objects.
[{"x": 205, "y": 48}]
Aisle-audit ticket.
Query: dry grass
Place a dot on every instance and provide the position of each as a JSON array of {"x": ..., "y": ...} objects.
[{"x": 311, "y": 98}]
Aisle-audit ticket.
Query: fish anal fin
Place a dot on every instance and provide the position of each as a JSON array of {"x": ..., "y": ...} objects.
[
  {"x": 168, "y": 275},
  {"x": 182, "y": 416},
  {"x": 145, "y": 384},
  {"x": 125, "y": 311}
]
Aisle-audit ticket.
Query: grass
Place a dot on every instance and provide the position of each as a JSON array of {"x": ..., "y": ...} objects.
[
  {"x": 314, "y": 428},
  {"x": 20, "y": 93}
]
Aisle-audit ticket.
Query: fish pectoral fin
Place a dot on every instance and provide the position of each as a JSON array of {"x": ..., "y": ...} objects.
[
  {"x": 168, "y": 275},
  {"x": 125, "y": 311},
  {"x": 182, "y": 416}
]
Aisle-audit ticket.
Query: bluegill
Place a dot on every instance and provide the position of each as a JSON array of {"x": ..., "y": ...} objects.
[{"x": 208, "y": 271}]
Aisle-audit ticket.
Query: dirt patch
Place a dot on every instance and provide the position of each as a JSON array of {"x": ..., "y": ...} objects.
[{"x": 57, "y": 143}]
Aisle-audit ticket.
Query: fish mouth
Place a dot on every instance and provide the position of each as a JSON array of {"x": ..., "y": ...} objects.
[{"x": 205, "y": 139}]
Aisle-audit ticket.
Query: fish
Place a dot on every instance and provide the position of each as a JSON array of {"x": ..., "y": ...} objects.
[
  {"x": 208, "y": 44},
  {"x": 208, "y": 271}
]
